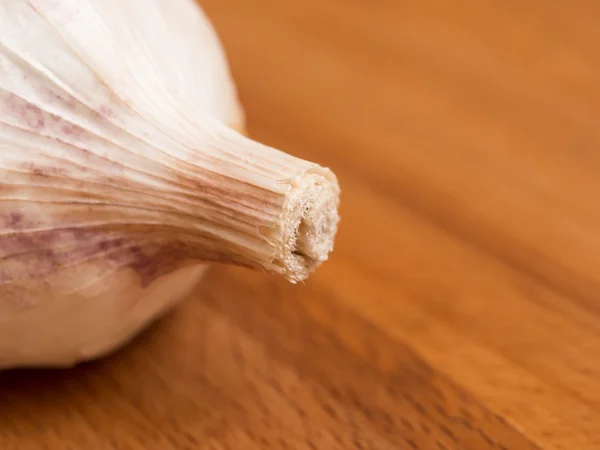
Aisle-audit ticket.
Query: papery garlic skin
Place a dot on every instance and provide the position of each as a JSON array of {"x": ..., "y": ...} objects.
[{"x": 121, "y": 175}]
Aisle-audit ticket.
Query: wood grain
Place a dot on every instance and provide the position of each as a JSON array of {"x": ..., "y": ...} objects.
[{"x": 461, "y": 308}]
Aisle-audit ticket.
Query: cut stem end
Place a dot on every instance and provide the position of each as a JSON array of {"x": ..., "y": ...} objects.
[{"x": 310, "y": 224}]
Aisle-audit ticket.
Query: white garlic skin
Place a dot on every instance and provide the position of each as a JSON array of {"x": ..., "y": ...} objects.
[{"x": 57, "y": 62}]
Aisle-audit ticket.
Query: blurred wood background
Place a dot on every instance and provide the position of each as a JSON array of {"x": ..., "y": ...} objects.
[{"x": 461, "y": 308}]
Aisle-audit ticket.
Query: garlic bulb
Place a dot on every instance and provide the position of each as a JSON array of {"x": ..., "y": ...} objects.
[{"x": 122, "y": 175}]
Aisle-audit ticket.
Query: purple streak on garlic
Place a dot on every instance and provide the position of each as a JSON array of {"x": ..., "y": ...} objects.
[{"x": 122, "y": 175}]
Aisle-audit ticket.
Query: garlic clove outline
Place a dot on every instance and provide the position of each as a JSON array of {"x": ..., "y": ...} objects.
[{"x": 122, "y": 175}]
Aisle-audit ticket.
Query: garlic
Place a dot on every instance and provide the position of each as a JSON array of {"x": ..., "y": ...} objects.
[{"x": 122, "y": 176}]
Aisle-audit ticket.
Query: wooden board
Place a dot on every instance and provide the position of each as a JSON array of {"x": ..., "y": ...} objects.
[{"x": 461, "y": 308}]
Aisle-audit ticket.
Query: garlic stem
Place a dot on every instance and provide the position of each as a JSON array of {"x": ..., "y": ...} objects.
[{"x": 277, "y": 212}]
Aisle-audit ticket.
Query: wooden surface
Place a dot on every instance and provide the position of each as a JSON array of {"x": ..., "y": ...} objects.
[{"x": 461, "y": 308}]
